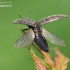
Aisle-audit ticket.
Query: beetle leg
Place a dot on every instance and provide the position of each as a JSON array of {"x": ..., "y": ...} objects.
[{"x": 22, "y": 30}]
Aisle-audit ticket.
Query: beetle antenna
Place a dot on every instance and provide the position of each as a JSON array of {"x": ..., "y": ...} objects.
[
  {"x": 29, "y": 12},
  {"x": 20, "y": 16}
]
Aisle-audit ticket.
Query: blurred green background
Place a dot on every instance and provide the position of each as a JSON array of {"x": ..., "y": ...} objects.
[{"x": 14, "y": 58}]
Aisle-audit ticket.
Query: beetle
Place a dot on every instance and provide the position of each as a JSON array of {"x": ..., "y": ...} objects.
[{"x": 35, "y": 33}]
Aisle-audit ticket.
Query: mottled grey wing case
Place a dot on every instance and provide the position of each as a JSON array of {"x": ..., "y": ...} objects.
[
  {"x": 26, "y": 21},
  {"x": 50, "y": 19}
]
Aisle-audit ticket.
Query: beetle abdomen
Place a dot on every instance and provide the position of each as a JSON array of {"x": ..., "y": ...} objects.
[{"x": 41, "y": 42}]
